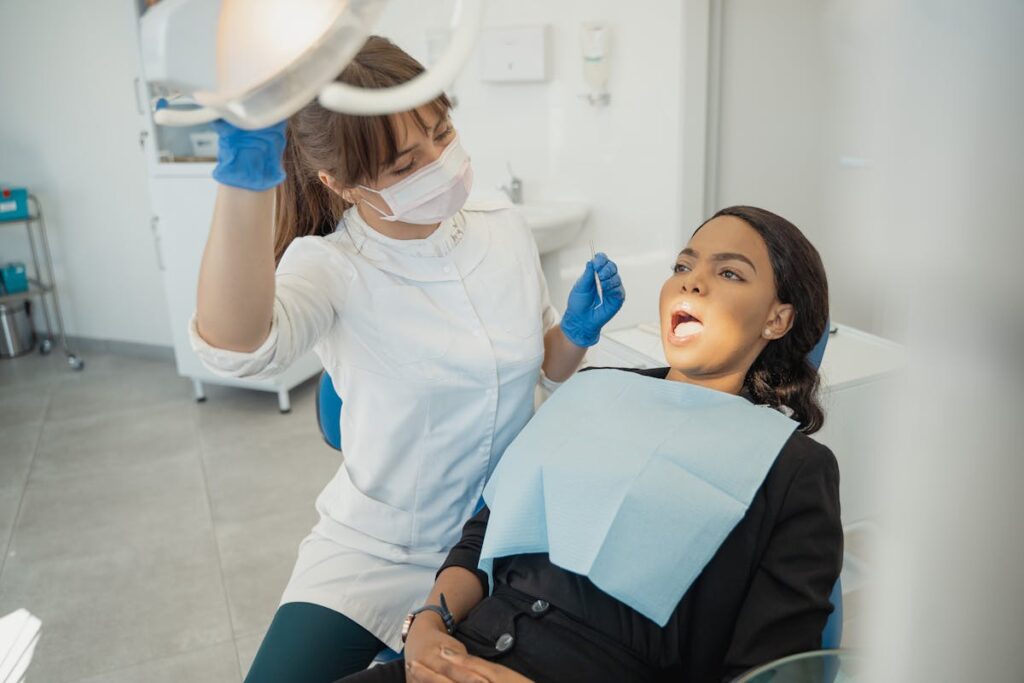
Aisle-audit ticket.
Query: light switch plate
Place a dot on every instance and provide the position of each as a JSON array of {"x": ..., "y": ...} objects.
[{"x": 514, "y": 55}]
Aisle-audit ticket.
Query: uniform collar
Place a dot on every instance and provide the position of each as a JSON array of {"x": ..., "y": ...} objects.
[
  {"x": 439, "y": 243},
  {"x": 450, "y": 253}
]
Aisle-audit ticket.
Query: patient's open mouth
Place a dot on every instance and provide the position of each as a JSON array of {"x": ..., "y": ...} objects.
[{"x": 685, "y": 325}]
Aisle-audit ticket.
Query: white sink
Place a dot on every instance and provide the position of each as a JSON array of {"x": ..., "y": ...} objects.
[{"x": 555, "y": 224}]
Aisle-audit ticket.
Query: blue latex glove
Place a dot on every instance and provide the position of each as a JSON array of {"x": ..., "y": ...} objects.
[
  {"x": 249, "y": 159},
  {"x": 584, "y": 316}
]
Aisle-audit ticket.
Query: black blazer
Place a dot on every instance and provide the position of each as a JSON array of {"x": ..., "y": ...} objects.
[{"x": 764, "y": 594}]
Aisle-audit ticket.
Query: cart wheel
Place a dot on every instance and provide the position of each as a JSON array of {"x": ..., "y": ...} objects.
[
  {"x": 45, "y": 346},
  {"x": 75, "y": 362}
]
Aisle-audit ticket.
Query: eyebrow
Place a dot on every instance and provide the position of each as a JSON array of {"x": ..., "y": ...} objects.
[
  {"x": 405, "y": 151},
  {"x": 430, "y": 130},
  {"x": 723, "y": 256}
]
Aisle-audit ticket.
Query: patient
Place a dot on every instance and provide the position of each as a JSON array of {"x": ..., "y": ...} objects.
[{"x": 747, "y": 546}]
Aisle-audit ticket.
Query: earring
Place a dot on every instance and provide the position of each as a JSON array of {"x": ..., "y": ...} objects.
[{"x": 768, "y": 332}]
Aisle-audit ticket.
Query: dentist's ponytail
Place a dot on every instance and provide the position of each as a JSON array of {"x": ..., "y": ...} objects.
[
  {"x": 352, "y": 149},
  {"x": 303, "y": 205}
]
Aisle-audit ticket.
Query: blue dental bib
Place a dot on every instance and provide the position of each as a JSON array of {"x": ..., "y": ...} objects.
[{"x": 631, "y": 481}]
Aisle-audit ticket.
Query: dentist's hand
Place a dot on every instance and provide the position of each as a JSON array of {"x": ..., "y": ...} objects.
[
  {"x": 249, "y": 159},
  {"x": 584, "y": 316}
]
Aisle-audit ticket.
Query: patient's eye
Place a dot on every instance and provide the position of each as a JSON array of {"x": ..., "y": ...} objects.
[
  {"x": 731, "y": 275},
  {"x": 680, "y": 268}
]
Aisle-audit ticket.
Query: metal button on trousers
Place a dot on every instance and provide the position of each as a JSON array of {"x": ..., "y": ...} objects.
[{"x": 504, "y": 643}]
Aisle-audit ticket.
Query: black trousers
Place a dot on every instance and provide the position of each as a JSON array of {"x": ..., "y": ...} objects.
[{"x": 537, "y": 640}]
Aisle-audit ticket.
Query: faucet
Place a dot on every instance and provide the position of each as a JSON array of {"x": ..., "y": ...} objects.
[{"x": 514, "y": 189}]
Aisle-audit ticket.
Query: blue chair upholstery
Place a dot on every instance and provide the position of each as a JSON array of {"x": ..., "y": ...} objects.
[
  {"x": 329, "y": 419},
  {"x": 328, "y": 403},
  {"x": 386, "y": 656},
  {"x": 818, "y": 352},
  {"x": 832, "y": 636},
  {"x": 328, "y": 411}
]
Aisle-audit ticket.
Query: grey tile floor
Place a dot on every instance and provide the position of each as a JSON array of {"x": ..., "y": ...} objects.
[{"x": 150, "y": 534}]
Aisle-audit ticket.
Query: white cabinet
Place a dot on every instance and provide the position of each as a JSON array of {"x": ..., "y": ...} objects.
[
  {"x": 857, "y": 372},
  {"x": 182, "y": 195},
  {"x": 182, "y": 207},
  {"x": 858, "y": 376}
]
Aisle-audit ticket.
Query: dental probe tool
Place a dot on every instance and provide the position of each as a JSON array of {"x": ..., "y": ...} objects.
[{"x": 600, "y": 290}]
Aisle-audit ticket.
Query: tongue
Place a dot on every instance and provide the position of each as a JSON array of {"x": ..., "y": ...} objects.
[{"x": 688, "y": 329}]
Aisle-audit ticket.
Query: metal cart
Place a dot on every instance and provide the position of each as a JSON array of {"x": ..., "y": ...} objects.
[{"x": 42, "y": 288}]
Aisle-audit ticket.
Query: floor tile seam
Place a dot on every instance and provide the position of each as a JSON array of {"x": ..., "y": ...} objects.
[
  {"x": 111, "y": 413},
  {"x": 24, "y": 487},
  {"x": 162, "y": 658},
  {"x": 49, "y": 472},
  {"x": 216, "y": 545},
  {"x": 28, "y": 384},
  {"x": 290, "y": 431},
  {"x": 230, "y": 525},
  {"x": 259, "y": 635},
  {"x": 259, "y": 631}
]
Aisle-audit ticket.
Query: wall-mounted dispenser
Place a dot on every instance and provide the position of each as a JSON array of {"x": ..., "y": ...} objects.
[{"x": 594, "y": 39}]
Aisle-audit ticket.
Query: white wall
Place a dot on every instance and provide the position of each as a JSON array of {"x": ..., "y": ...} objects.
[
  {"x": 793, "y": 103},
  {"x": 625, "y": 160},
  {"x": 799, "y": 135},
  {"x": 69, "y": 132}
]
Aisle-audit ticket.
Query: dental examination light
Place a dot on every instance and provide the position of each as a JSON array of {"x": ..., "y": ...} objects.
[{"x": 275, "y": 56}]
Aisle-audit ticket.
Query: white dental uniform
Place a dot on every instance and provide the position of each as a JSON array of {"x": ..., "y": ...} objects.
[{"x": 435, "y": 346}]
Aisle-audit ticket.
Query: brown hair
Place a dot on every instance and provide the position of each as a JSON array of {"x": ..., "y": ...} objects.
[
  {"x": 353, "y": 149},
  {"x": 782, "y": 375}
]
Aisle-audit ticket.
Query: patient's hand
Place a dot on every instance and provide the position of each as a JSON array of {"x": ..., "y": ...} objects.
[
  {"x": 455, "y": 666},
  {"x": 427, "y": 637}
]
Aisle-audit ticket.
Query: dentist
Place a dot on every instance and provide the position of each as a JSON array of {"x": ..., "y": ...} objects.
[{"x": 432, "y": 317}]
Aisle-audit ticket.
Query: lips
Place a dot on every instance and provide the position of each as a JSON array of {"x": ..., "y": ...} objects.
[{"x": 685, "y": 325}]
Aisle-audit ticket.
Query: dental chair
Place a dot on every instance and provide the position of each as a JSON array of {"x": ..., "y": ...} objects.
[
  {"x": 328, "y": 417},
  {"x": 328, "y": 411}
]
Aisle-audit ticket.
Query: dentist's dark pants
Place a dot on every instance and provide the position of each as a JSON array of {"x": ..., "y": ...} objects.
[{"x": 308, "y": 643}]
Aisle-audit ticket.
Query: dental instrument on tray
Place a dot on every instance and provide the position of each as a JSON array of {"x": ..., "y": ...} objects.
[{"x": 597, "y": 278}]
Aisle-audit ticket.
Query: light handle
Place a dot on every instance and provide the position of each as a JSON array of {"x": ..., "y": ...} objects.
[{"x": 348, "y": 99}]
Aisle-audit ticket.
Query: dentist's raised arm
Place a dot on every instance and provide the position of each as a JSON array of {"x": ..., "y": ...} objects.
[{"x": 235, "y": 300}]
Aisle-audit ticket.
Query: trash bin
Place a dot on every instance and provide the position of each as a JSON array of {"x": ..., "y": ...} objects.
[{"x": 16, "y": 335}]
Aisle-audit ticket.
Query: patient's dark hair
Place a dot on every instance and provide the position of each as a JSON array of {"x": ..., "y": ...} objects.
[{"x": 782, "y": 375}]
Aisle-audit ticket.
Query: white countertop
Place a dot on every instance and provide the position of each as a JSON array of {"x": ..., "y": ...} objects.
[{"x": 852, "y": 356}]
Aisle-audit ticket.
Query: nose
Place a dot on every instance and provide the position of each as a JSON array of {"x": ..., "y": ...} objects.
[
  {"x": 692, "y": 283},
  {"x": 436, "y": 150},
  {"x": 434, "y": 153}
]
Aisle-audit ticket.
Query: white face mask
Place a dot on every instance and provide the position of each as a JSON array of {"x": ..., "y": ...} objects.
[{"x": 432, "y": 194}]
